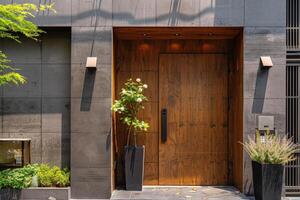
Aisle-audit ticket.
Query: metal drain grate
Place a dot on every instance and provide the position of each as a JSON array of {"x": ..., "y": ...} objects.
[
  {"x": 292, "y": 169},
  {"x": 292, "y": 23}
]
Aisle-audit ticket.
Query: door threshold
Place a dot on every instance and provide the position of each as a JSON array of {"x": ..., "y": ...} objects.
[{"x": 184, "y": 186}]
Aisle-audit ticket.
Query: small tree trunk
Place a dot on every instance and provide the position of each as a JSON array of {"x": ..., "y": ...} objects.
[
  {"x": 128, "y": 135},
  {"x": 134, "y": 133}
]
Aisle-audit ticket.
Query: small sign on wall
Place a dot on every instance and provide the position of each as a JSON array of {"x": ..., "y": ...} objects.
[{"x": 265, "y": 123}]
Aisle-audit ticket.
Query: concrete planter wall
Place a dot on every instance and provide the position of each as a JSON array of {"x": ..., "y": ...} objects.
[{"x": 40, "y": 193}]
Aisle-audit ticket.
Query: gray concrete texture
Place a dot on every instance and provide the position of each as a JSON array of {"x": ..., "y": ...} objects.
[
  {"x": 77, "y": 101},
  {"x": 181, "y": 193},
  {"x": 45, "y": 193},
  {"x": 40, "y": 109}
]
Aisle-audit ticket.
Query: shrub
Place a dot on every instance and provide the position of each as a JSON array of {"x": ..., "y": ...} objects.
[
  {"x": 20, "y": 178},
  {"x": 52, "y": 176},
  {"x": 273, "y": 149},
  {"x": 128, "y": 106},
  {"x": 17, "y": 178}
]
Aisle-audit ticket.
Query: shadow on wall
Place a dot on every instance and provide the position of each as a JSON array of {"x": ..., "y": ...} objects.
[
  {"x": 212, "y": 12},
  {"x": 88, "y": 88},
  {"x": 260, "y": 90},
  {"x": 40, "y": 109}
]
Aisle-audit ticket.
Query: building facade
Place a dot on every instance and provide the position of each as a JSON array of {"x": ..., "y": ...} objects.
[{"x": 65, "y": 109}]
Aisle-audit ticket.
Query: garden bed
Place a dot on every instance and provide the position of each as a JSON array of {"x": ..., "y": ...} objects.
[{"x": 35, "y": 182}]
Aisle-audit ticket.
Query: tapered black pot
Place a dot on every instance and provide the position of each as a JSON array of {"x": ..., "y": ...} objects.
[
  {"x": 134, "y": 167},
  {"x": 267, "y": 180}
]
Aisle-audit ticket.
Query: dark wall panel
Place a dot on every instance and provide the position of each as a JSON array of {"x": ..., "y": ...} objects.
[{"x": 40, "y": 109}]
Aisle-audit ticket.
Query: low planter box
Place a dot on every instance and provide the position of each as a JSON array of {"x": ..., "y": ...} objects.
[
  {"x": 44, "y": 193},
  {"x": 36, "y": 193},
  {"x": 9, "y": 193}
]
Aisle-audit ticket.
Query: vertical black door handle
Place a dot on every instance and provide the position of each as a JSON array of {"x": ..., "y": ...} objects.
[{"x": 164, "y": 130}]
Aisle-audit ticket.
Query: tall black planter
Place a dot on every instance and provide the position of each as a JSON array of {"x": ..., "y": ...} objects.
[
  {"x": 134, "y": 167},
  {"x": 267, "y": 180}
]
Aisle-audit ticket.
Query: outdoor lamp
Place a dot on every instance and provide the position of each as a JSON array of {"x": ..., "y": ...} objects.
[
  {"x": 266, "y": 61},
  {"x": 91, "y": 62}
]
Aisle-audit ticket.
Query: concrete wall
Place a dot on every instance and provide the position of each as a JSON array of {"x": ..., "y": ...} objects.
[
  {"x": 92, "y": 22},
  {"x": 40, "y": 109}
]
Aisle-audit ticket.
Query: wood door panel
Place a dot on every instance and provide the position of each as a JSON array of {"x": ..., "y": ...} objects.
[
  {"x": 140, "y": 58},
  {"x": 193, "y": 88},
  {"x": 151, "y": 173}
]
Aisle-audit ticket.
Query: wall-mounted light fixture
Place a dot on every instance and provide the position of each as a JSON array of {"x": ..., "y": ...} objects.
[
  {"x": 91, "y": 62},
  {"x": 266, "y": 61}
]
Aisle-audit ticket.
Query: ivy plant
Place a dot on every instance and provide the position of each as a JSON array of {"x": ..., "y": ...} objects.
[{"x": 128, "y": 106}]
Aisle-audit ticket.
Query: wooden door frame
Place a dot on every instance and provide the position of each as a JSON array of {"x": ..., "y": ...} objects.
[{"x": 236, "y": 36}]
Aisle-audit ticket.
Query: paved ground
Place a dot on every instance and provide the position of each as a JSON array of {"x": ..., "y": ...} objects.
[
  {"x": 184, "y": 193},
  {"x": 180, "y": 193}
]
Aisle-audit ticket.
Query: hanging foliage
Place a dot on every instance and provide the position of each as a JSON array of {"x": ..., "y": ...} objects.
[{"x": 15, "y": 22}]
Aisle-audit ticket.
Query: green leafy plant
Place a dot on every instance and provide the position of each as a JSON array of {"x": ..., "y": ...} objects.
[
  {"x": 52, "y": 176},
  {"x": 17, "y": 178},
  {"x": 15, "y": 21},
  {"x": 47, "y": 176},
  {"x": 270, "y": 149},
  {"x": 128, "y": 106}
]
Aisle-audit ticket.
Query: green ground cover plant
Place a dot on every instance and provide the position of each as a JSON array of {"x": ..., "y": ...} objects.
[
  {"x": 52, "y": 176},
  {"x": 17, "y": 178},
  {"x": 47, "y": 176}
]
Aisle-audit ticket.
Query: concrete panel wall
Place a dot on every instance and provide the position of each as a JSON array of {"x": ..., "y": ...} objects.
[
  {"x": 264, "y": 90},
  {"x": 92, "y": 22},
  {"x": 40, "y": 109},
  {"x": 90, "y": 113}
]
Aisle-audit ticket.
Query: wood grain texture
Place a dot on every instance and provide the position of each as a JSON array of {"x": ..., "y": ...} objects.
[
  {"x": 194, "y": 90},
  {"x": 166, "y": 33},
  {"x": 236, "y": 113},
  {"x": 140, "y": 58}
]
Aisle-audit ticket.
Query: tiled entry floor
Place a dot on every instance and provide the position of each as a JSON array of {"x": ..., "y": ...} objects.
[{"x": 180, "y": 193}]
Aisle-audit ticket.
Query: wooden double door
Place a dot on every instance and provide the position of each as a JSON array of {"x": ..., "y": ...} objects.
[{"x": 193, "y": 95}]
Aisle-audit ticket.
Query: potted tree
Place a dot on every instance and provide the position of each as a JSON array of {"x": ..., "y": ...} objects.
[
  {"x": 269, "y": 153},
  {"x": 127, "y": 107}
]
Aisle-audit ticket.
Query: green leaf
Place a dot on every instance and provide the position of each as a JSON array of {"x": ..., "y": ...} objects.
[
  {"x": 15, "y": 21},
  {"x": 130, "y": 103}
]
